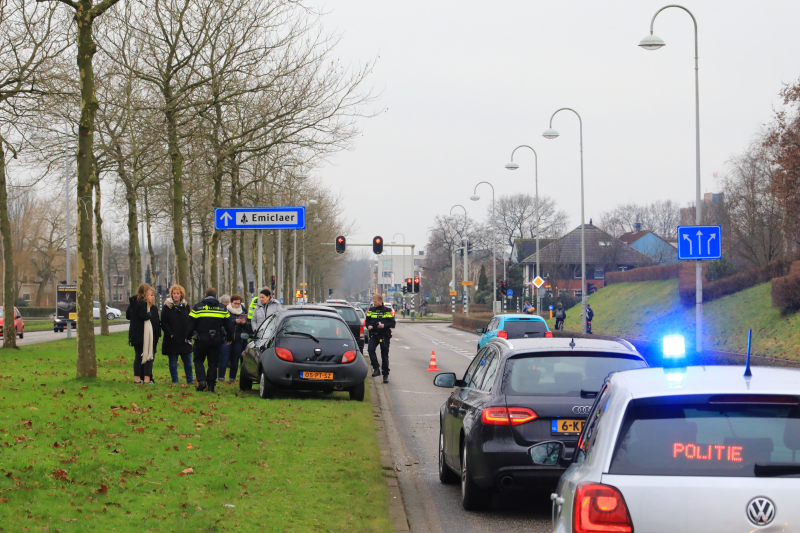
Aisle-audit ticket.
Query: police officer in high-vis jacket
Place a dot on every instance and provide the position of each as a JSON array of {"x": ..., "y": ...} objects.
[
  {"x": 208, "y": 322},
  {"x": 379, "y": 323}
]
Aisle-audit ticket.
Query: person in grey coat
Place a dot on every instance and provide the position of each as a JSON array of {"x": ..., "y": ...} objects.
[{"x": 266, "y": 307}]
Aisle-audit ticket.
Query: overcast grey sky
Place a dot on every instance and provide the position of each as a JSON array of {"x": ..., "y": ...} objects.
[{"x": 465, "y": 82}]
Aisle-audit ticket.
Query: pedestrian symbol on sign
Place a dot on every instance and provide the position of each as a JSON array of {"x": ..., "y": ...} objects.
[{"x": 244, "y": 218}]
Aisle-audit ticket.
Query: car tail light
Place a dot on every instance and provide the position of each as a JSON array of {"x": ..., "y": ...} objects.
[
  {"x": 503, "y": 334},
  {"x": 548, "y": 334},
  {"x": 600, "y": 508},
  {"x": 361, "y": 331},
  {"x": 349, "y": 356},
  {"x": 507, "y": 416},
  {"x": 284, "y": 354}
]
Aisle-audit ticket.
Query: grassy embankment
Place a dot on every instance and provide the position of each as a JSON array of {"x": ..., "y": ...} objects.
[
  {"x": 648, "y": 308},
  {"x": 105, "y": 455}
]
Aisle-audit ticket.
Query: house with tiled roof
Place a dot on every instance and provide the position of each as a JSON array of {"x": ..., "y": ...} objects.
[
  {"x": 561, "y": 260},
  {"x": 651, "y": 245}
]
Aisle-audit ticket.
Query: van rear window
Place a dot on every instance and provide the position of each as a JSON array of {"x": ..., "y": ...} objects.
[{"x": 708, "y": 439}]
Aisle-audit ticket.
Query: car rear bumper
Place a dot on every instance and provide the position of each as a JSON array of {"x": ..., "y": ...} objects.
[
  {"x": 501, "y": 463},
  {"x": 286, "y": 375}
]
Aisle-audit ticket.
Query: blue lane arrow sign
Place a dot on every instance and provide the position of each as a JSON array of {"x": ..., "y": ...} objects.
[
  {"x": 699, "y": 242},
  {"x": 250, "y": 218}
]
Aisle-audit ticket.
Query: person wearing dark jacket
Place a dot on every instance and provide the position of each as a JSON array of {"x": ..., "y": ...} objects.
[
  {"x": 209, "y": 324},
  {"x": 560, "y": 315},
  {"x": 231, "y": 354},
  {"x": 379, "y": 323},
  {"x": 174, "y": 324},
  {"x": 144, "y": 332}
]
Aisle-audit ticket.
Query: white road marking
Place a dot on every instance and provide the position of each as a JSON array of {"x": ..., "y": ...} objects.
[
  {"x": 435, "y": 414},
  {"x": 438, "y": 342},
  {"x": 406, "y": 347},
  {"x": 417, "y": 392}
]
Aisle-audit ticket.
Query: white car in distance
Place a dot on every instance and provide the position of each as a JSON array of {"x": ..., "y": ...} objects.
[
  {"x": 111, "y": 313},
  {"x": 691, "y": 449}
]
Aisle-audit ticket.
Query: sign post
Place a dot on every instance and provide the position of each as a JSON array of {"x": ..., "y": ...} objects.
[{"x": 697, "y": 243}]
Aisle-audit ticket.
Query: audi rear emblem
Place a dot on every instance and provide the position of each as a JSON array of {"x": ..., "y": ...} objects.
[
  {"x": 761, "y": 511},
  {"x": 581, "y": 409}
]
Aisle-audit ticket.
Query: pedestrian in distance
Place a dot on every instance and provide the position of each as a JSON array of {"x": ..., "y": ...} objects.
[
  {"x": 560, "y": 315},
  {"x": 379, "y": 324},
  {"x": 231, "y": 354},
  {"x": 209, "y": 325},
  {"x": 265, "y": 307},
  {"x": 144, "y": 332},
  {"x": 589, "y": 317},
  {"x": 174, "y": 325},
  {"x": 528, "y": 309}
]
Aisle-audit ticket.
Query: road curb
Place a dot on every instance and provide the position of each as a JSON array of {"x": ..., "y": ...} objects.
[{"x": 397, "y": 509}]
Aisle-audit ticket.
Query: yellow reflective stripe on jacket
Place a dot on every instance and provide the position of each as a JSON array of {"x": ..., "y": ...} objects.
[
  {"x": 252, "y": 310},
  {"x": 208, "y": 312}
]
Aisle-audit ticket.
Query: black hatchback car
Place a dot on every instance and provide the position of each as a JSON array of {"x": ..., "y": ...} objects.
[
  {"x": 349, "y": 315},
  {"x": 304, "y": 349},
  {"x": 516, "y": 394}
]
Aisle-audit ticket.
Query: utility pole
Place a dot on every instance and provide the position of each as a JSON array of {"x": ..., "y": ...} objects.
[
  {"x": 466, "y": 276},
  {"x": 66, "y": 195},
  {"x": 453, "y": 294}
]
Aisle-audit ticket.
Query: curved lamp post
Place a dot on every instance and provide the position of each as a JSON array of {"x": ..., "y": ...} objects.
[
  {"x": 514, "y": 166},
  {"x": 654, "y": 42},
  {"x": 550, "y": 133},
  {"x": 475, "y": 198}
]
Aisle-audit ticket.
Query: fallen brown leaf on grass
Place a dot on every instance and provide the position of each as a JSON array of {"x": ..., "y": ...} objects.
[
  {"x": 60, "y": 474},
  {"x": 85, "y": 387},
  {"x": 139, "y": 430},
  {"x": 102, "y": 490},
  {"x": 186, "y": 472},
  {"x": 57, "y": 445}
]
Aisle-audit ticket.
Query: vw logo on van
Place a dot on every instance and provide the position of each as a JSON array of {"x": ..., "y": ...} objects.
[
  {"x": 581, "y": 409},
  {"x": 761, "y": 511}
]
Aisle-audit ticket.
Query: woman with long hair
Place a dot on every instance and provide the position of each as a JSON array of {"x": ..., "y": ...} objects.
[
  {"x": 174, "y": 323},
  {"x": 144, "y": 332}
]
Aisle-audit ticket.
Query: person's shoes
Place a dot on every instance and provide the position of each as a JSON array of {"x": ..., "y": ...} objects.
[
  {"x": 149, "y": 383},
  {"x": 201, "y": 386},
  {"x": 376, "y": 373},
  {"x": 211, "y": 388},
  {"x": 386, "y": 379}
]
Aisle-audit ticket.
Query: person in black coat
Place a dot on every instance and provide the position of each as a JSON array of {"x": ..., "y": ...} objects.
[
  {"x": 144, "y": 332},
  {"x": 231, "y": 354},
  {"x": 174, "y": 323}
]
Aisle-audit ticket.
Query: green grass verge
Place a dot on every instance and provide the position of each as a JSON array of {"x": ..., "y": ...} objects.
[
  {"x": 42, "y": 325},
  {"x": 647, "y": 308},
  {"x": 104, "y": 455}
]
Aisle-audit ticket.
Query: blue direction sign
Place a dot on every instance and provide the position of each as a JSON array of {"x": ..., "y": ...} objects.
[
  {"x": 510, "y": 292},
  {"x": 244, "y": 218},
  {"x": 699, "y": 242}
]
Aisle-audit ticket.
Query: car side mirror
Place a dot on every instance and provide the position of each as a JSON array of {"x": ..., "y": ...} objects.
[
  {"x": 445, "y": 379},
  {"x": 479, "y": 330},
  {"x": 547, "y": 453},
  {"x": 245, "y": 336}
]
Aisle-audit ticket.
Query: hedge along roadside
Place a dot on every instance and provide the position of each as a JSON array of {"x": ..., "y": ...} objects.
[
  {"x": 785, "y": 291},
  {"x": 655, "y": 273},
  {"x": 713, "y": 290}
]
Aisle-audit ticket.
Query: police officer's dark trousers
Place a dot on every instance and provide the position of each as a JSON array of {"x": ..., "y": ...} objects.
[
  {"x": 203, "y": 351},
  {"x": 383, "y": 342}
]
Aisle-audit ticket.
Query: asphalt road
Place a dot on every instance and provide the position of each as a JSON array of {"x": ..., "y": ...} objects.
[
  {"x": 35, "y": 337},
  {"x": 415, "y": 402}
]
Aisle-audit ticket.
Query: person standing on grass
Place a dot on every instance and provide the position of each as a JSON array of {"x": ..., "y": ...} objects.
[
  {"x": 209, "y": 320},
  {"x": 230, "y": 355},
  {"x": 265, "y": 308},
  {"x": 144, "y": 332},
  {"x": 174, "y": 324}
]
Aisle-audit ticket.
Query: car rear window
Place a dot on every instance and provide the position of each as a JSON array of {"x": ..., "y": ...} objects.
[
  {"x": 524, "y": 329},
  {"x": 563, "y": 373},
  {"x": 708, "y": 439},
  {"x": 347, "y": 313},
  {"x": 321, "y": 327}
]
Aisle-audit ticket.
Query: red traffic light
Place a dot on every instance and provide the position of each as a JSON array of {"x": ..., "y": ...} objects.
[
  {"x": 377, "y": 245},
  {"x": 341, "y": 244},
  {"x": 340, "y": 239},
  {"x": 377, "y": 240}
]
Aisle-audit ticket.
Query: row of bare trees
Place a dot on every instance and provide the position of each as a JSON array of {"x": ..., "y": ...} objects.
[{"x": 175, "y": 107}]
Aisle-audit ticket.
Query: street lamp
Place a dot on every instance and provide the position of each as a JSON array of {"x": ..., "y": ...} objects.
[
  {"x": 475, "y": 198},
  {"x": 653, "y": 42},
  {"x": 514, "y": 166},
  {"x": 550, "y": 133}
]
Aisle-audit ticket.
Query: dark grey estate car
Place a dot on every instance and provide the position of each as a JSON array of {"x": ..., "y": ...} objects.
[
  {"x": 304, "y": 349},
  {"x": 517, "y": 393}
]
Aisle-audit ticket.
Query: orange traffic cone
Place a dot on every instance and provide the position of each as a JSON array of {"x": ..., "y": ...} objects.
[{"x": 432, "y": 367}]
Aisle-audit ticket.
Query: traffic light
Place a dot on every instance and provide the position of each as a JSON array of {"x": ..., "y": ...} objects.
[
  {"x": 377, "y": 245},
  {"x": 158, "y": 289},
  {"x": 341, "y": 244},
  {"x": 273, "y": 283},
  {"x": 330, "y": 292},
  {"x": 416, "y": 284},
  {"x": 590, "y": 288},
  {"x": 252, "y": 287},
  {"x": 469, "y": 248},
  {"x": 503, "y": 288},
  {"x": 403, "y": 289},
  {"x": 408, "y": 285}
]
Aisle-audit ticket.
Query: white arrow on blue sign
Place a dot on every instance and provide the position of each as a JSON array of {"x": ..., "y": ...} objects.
[
  {"x": 244, "y": 218},
  {"x": 699, "y": 242}
]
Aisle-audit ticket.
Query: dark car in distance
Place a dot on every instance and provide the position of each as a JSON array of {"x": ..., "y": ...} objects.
[
  {"x": 303, "y": 348},
  {"x": 350, "y": 316},
  {"x": 515, "y": 394}
]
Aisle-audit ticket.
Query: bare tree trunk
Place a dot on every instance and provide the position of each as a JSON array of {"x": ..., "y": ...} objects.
[
  {"x": 242, "y": 263},
  {"x": 9, "y": 338},
  {"x": 149, "y": 239},
  {"x": 190, "y": 286},
  {"x": 134, "y": 252},
  {"x": 101, "y": 289},
  {"x": 177, "y": 188},
  {"x": 204, "y": 257},
  {"x": 233, "y": 263}
]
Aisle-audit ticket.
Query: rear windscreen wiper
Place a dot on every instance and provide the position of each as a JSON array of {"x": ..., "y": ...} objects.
[
  {"x": 589, "y": 393},
  {"x": 303, "y": 333},
  {"x": 776, "y": 469}
]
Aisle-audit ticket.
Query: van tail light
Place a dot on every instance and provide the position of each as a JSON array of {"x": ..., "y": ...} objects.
[
  {"x": 349, "y": 356},
  {"x": 600, "y": 508},
  {"x": 548, "y": 334},
  {"x": 503, "y": 334},
  {"x": 507, "y": 416},
  {"x": 284, "y": 354}
]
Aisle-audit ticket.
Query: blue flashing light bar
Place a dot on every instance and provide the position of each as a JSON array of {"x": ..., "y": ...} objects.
[{"x": 674, "y": 346}]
